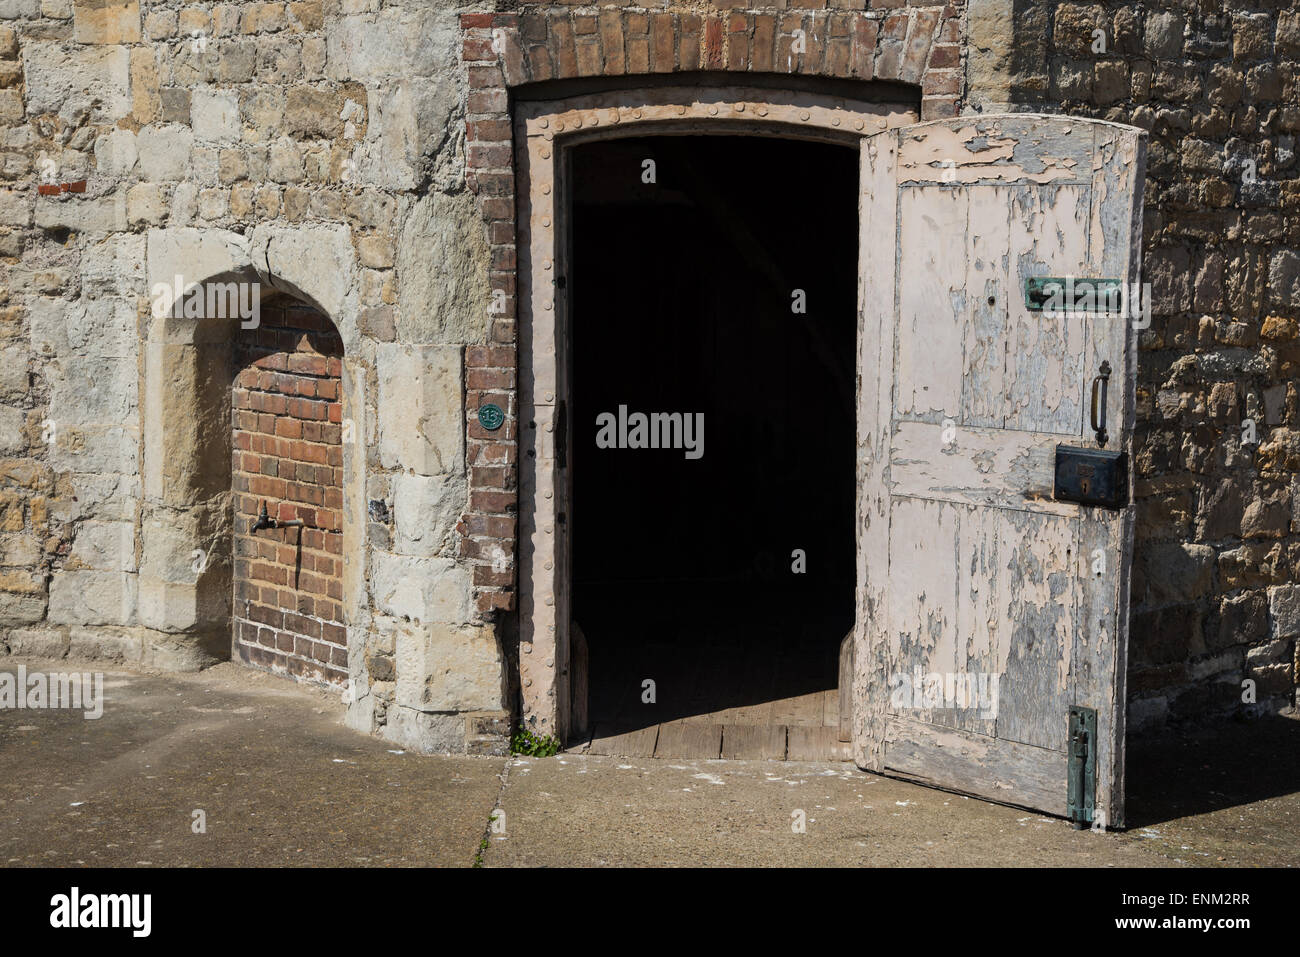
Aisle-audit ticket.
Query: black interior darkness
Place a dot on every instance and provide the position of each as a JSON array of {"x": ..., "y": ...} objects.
[{"x": 683, "y": 293}]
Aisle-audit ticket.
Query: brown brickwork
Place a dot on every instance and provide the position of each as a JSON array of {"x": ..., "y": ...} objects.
[
  {"x": 287, "y": 451},
  {"x": 844, "y": 39}
]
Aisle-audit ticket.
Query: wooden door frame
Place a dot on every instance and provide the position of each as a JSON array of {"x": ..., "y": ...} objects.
[{"x": 543, "y": 131}]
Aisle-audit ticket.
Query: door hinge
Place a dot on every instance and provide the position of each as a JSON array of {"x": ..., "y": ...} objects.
[{"x": 1081, "y": 794}]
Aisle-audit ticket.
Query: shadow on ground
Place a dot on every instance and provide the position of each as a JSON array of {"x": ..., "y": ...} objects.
[{"x": 1173, "y": 776}]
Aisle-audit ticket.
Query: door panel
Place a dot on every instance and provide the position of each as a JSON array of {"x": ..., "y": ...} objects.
[{"x": 969, "y": 570}]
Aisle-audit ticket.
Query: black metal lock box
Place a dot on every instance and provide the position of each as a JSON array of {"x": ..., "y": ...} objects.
[{"x": 1091, "y": 476}]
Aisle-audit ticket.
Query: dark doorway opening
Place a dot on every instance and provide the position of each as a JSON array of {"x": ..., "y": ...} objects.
[{"x": 713, "y": 276}]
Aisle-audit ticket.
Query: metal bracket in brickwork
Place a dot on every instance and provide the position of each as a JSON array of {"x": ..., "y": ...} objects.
[{"x": 1081, "y": 797}]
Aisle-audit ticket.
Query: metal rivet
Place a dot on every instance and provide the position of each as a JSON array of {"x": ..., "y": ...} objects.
[
  {"x": 544, "y": 124},
  {"x": 738, "y": 107},
  {"x": 550, "y": 601},
  {"x": 549, "y": 529},
  {"x": 595, "y": 119},
  {"x": 713, "y": 111},
  {"x": 548, "y": 305},
  {"x": 545, "y": 152},
  {"x": 559, "y": 124},
  {"x": 547, "y": 495},
  {"x": 613, "y": 116},
  {"x": 550, "y": 662},
  {"x": 804, "y": 116},
  {"x": 550, "y": 565},
  {"x": 528, "y": 682},
  {"x": 546, "y": 264},
  {"x": 835, "y": 121},
  {"x": 550, "y": 397},
  {"x": 577, "y": 122},
  {"x": 549, "y": 136},
  {"x": 681, "y": 110},
  {"x": 546, "y": 221},
  {"x": 762, "y": 111},
  {"x": 858, "y": 125},
  {"x": 636, "y": 114},
  {"x": 546, "y": 189}
]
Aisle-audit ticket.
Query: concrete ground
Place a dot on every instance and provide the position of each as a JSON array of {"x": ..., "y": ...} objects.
[{"x": 281, "y": 781}]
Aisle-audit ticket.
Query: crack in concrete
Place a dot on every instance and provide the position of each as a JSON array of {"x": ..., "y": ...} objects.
[{"x": 486, "y": 840}]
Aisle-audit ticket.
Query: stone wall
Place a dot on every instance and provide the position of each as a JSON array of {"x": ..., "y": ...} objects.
[
  {"x": 1215, "y": 595},
  {"x": 313, "y": 149},
  {"x": 356, "y": 156}
]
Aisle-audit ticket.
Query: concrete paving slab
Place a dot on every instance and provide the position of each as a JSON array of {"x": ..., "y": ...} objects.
[
  {"x": 281, "y": 779},
  {"x": 599, "y": 811},
  {"x": 284, "y": 782},
  {"x": 589, "y": 810}
]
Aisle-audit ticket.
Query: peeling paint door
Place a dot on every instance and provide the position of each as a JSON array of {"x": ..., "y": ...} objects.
[{"x": 986, "y": 608}]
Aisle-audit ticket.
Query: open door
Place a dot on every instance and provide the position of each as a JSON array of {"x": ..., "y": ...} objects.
[{"x": 992, "y": 616}]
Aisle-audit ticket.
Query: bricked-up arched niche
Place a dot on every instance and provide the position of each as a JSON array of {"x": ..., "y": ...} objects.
[
  {"x": 552, "y": 670},
  {"x": 196, "y": 376},
  {"x": 287, "y": 458}
]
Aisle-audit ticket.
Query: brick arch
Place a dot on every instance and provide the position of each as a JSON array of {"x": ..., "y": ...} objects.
[
  {"x": 908, "y": 44},
  {"x": 502, "y": 52}
]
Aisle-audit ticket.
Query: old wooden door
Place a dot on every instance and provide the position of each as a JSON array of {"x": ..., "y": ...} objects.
[{"x": 987, "y": 608}]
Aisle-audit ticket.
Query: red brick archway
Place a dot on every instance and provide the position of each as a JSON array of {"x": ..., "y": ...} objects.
[{"x": 911, "y": 45}]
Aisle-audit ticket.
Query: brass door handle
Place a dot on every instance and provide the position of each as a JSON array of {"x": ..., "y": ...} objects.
[{"x": 1100, "y": 384}]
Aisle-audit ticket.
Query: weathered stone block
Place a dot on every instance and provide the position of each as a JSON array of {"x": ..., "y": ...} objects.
[
  {"x": 87, "y": 390},
  {"x": 1284, "y": 278},
  {"x": 1284, "y": 609},
  {"x": 93, "y": 598},
  {"x": 95, "y": 645},
  {"x": 424, "y": 733},
  {"x": 1242, "y": 620},
  {"x": 21, "y": 610},
  {"x": 292, "y": 256},
  {"x": 103, "y": 215},
  {"x": 425, "y": 590},
  {"x": 68, "y": 80},
  {"x": 215, "y": 116},
  {"x": 37, "y": 642},
  {"x": 426, "y": 510},
  {"x": 13, "y": 440},
  {"x": 106, "y": 21},
  {"x": 103, "y": 546},
  {"x": 442, "y": 267},
  {"x": 1176, "y": 571},
  {"x": 421, "y": 408},
  {"x": 164, "y": 152},
  {"x": 449, "y": 669},
  {"x": 1164, "y": 35},
  {"x": 95, "y": 327}
]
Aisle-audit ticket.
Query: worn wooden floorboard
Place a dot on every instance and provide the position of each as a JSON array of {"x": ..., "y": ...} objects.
[
  {"x": 681, "y": 739},
  {"x": 751, "y": 742},
  {"x": 613, "y": 740},
  {"x": 816, "y": 744}
]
